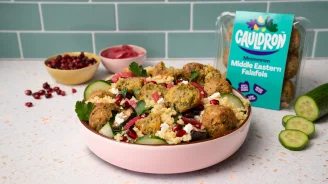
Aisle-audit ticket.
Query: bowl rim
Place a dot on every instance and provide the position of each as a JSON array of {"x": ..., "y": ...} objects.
[
  {"x": 80, "y": 69},
  {"x": 180, "y": 144},
  {"x": 102, "y": 50}
]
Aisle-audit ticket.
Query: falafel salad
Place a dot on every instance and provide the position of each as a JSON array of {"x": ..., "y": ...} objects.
[{"x": 162, "y": 105}]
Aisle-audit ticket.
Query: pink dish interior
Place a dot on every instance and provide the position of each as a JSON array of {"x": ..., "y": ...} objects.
[{"x": 167, "y": 159}]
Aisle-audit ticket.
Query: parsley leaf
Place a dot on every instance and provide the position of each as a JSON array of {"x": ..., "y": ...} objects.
[
  {"x": 124, "y": 91},
  {"x": 194, "y": 74},
  {"x": 137, "y": 70},
  {"x": 141, "y": 107},
  {"x": 83, "y": 110}
]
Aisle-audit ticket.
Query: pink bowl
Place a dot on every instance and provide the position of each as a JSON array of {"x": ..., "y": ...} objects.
[
  {"x": 167, "y": 159},
  {"x": 118, "y": 65}
]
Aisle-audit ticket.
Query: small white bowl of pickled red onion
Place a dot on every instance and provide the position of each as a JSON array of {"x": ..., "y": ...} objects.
[{"x": 117, "y": 58}]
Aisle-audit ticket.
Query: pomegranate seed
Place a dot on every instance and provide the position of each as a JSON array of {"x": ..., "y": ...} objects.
[
  {"x": 56, "y": 88},
  {"x": 128, "y": 96},
  {"x": 126, "y": 105},
  {"x": 181, "y": 133},
  {"x": 214, "y": 102},
  {"x": 46, "y": 85},
  {"x": 177, "y": 81},
  {"x": 118, "y": 99},
  {"x": 144, "y": 115},
  {"x": 153, "y": 82},
  {"x": 124, "y": 139},
  {"x": 58, "y": 92},
  {"x": 62, "y": 93},
  {"x": 132, "y": 134},
  {"x": 73, "y": 90},
  {"x": 41, "y": 92},
  {"x": 164, "y": 85},
  {"x": 59, "y": 58},
  {"x": 48, "y": 95},
  {"x": 188, "y": 115},
  {"x": 50, "y": 90},
  {"x": 36, "y": 96},
  {"x": 28, "y": 92},
  {"x": 177, "y": 128},
  {"x": 28, "y": 104}
]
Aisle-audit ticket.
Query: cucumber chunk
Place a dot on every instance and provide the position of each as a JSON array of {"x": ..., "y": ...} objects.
[
  {"x": 99, "y": 85},
  {"x": 107, "y": 131},
  {"x": 150, "y": 139},
  {"x": 293, "y": 139},
  {"x": 313, "y": 104},
  {"x": 234, "y": 99},
  {"x": 301, "y": 124},
  {"x": 285, "y": 119}
]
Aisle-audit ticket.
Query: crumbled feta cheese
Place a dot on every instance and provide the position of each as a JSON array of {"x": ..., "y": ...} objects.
[
  {"x": 185, "y": 82},
  {"x": 164, "y": 127},
  {"x": 160, "y": 101},
  {"x": 120, "y": 118},
  {"x": 114, "y": 91},
  {"x": 214, "y": 96},
  {"x": 188, "y": 128},
  {"x": 198, "y": 118}
]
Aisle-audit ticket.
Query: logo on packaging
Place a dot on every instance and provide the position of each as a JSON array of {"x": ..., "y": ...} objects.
[{"x": 262, "y": 38}]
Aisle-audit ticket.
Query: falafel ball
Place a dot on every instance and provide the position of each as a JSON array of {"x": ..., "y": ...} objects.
[
  {"x": 288, "y": 91},
  {"x": 147, "y": 90},
  {"x": 295, "y": 41},
  {"x": 130, "y": 83},
  {"x": 101, "y": 94},
  {"x": 182, "y": 97},
  {"x": 219, "y": 120},
  {"x": 160, "y": 69},
  {"x": 101, "y": 114},
  {"x": 214, "y": 85},
  {"x": 149, "y": 125},
  {"x": 225, "y": 57},
  {"x": 291, "y": 66},
  {"x": 204, "y": 71}
]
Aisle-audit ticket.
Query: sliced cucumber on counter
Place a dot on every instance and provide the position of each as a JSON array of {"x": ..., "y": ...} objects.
[
  {"x": 293, "y": 139},
  {"x": 107, "y": 131},
  {"x": 285, "y": 119},
  {"x": 234, "y": 99},
  {"x": 99, "y": 85},
  {"x": 150, "y": 139},
  {"x": 313, "y": 104},
  {"x": 301, "y": 124}
]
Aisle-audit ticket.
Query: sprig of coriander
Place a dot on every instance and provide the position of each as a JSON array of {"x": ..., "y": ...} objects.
[
  {"x": 124, "y": 91},
  {"x": 141, "y": 107},
  {"x": 137, "y": 70},
  {"x": 84, "y": 110},
  {"x": 194, "y": 74}
]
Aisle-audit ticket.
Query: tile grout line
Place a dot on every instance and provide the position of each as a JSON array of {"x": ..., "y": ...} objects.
[
  {"x": 20, "y": 45},
  {"x": 93, "y": 42},
  {"x": 166, "y": 45},
  {"x": 41, "y": 16},
  {"x": 191, "y": 16},
  {"x": 116, "y": 16},
  {"x": 314, "y": 43},
  {"x": 130, "y": 31},
  {"x": 268, "y": 6}
]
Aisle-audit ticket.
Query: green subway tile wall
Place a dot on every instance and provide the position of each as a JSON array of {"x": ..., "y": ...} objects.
[
  {"x": 43, "y": 45},
  {"x": 154, "y": 43},
  {"x": 166, "y": 28}
]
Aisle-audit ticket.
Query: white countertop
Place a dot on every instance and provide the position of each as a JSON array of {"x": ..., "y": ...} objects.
[{"x": 44, "y": 144}]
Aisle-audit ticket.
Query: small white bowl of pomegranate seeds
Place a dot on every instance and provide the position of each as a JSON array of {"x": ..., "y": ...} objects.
[
  {"x": 72, "y": 67},
  {"x": 117, "y": 58}
]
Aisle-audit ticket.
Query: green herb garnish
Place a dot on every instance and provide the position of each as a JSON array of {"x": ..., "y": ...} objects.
[
  {"x": 84, "y": 110},
  {"x": 194, "y": 74},
  {"x": 141, "y": 107},
  {"x": 124, "y": 91},
  {"x": 135, "y": 92},
  {"x": 137, "y": 70}
]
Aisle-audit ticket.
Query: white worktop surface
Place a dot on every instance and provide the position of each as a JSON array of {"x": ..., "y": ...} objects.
[{"x": 44, "y": 144}]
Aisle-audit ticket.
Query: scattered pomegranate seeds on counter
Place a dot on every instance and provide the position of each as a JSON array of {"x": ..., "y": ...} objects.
[
  {"x": 28, "y": 104},
  {"x": 46, "y": 91}
]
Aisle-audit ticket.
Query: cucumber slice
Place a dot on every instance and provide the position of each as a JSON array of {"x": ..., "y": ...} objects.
[
  {"x": 301, "y": 124},
  {"x": 99, "y": 85},
  {"x": 313, "y": 104},
  {"x": 234, "y": 99},
  {"x": 285, "y": 119},
  {"x": 107, "y": 131},
  {"x": 293, "y": 139},
  {"x": 150, "y": 139}
]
